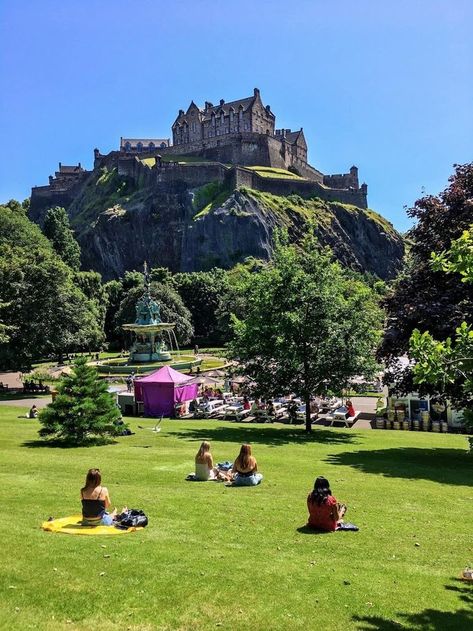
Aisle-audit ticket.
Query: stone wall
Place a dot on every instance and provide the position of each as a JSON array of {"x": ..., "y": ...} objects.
[
  {"x": 198, "y": 174},
  {"x": 45, "y": 197},
  {"x": 304, "y": 188}
]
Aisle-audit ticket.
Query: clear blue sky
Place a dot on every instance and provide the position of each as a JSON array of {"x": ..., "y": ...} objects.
[{"x": 386, "y": 85}]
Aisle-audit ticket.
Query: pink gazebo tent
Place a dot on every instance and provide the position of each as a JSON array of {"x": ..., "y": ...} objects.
[{"x": 162, "y": 389}]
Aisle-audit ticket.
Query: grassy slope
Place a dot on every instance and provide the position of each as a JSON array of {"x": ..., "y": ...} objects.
[
  {"x": 215, "y": 556},
  {"x": 274, "y": 172}
]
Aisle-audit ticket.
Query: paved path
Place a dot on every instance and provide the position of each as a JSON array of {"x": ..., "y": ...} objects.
[{"x": 40, "y": 402}]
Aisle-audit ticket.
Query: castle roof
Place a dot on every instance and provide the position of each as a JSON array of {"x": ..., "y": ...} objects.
[
  {"x": 245, "y": 104},
  {"x": 293, "y": 136}
]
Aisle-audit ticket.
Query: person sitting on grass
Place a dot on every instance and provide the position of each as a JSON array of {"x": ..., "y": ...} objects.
[
  {"x": 246, "y": 403},
  {"x": 204, "y": 465},
  {"x": 245, "y": 468},
  {"x": 95, "y": 500},
  {"x": 325, "y": 513},
  {"x": 33, "y": 413}
]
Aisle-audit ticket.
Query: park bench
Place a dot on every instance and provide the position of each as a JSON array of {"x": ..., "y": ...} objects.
[{"x": 348, "y": 422}]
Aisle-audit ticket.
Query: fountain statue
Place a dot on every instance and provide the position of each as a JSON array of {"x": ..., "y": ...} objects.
[{"x": 148, "y": 328}]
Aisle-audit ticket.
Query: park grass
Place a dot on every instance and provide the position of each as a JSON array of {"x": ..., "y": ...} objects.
[{"x": 239, "y": 558}]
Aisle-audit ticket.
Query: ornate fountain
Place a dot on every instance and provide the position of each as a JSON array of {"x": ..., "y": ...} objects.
[{"x": 149, "y": 344}]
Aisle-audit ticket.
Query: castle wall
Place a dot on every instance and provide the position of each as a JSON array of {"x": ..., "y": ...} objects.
[
  {"x": 342, "y": 180},
  {"x": 45, "y": 197},
  {"x": 199, "y": 174},
  {"x": 304, "y": 188}
]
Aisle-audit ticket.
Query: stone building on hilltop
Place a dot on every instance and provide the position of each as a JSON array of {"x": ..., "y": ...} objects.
[
  {"x": 235, "y": 122},
  {"x": 245, "y": 115},
  {"x": 142, "y": 145}
]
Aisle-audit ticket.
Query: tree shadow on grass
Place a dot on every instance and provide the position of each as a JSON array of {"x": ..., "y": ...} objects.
[
  {"x": 447, "y": 466},
  {"x": 431, "y": 619},
  {"x": 68, "y": 444},
  {"x": 271, "y": 436}
]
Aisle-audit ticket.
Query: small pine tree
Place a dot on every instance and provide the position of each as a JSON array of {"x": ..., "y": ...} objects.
[{"x": 83, "y": 408}]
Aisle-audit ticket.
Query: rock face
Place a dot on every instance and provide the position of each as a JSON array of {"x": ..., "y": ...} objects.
[{"x": 120, "y": 224}]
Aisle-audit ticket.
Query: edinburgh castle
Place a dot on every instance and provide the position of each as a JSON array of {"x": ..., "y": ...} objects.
[{"x": 227, "y": 139}]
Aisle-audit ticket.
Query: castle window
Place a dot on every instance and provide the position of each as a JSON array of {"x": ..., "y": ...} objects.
[
  {"x": 139, "y": 146},
  {"x": 151, "y": 146},
  {"x": 127, "y": 146},
  {"x": 163, "y": 145}
]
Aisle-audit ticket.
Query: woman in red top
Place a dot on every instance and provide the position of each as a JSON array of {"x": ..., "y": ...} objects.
[
  {"x": 350, "y": 409},
  {"x": 325, "y": 513}
]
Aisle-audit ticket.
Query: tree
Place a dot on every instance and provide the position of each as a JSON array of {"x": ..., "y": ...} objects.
[
  {"x": 82, "y": 409},
  {"x": 309, "y": 327},
  {"x": 202, "y": 293},
  {"x": 58, "y": 230},
  {"x": 45, "y": 309},
  {"x": 234, "y": 300},
  {"x": 448, "y": 365},
  {"x": 424, "y": 297}
]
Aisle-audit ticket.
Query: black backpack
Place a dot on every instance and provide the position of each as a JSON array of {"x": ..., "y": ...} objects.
[{"x": 132, "y": 518}]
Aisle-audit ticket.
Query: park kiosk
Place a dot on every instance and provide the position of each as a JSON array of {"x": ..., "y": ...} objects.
[{"x": 162, "y": 390}]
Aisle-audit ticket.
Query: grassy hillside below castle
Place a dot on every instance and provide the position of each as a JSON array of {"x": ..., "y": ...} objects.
[{"x": 120, "y": 222}]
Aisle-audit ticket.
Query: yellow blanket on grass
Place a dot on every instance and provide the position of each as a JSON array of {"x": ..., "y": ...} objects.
[{"x": 73, "y": 526}]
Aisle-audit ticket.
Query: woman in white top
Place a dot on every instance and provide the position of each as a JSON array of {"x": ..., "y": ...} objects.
[{"x": 204, "y": 464}]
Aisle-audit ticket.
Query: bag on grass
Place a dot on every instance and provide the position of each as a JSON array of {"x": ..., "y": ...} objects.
[
  {"x": 347, "y": 526},
  {"x": 132, "y": 518}
]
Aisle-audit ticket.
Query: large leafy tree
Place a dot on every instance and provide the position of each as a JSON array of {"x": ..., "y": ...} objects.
[
  {"x": 202, "y": 293},
  {"x": 309, "y": 327},
  {"x": 82, "y": 409},
  {"x": 424, "y": 297},
  {"x": 58, "y": 230},
  {"x": 46, "y": 310},
  {"x": 447, "y": 365}
]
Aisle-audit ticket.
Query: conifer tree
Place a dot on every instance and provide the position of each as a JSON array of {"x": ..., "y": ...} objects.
[{"x": 83, "y": 408}]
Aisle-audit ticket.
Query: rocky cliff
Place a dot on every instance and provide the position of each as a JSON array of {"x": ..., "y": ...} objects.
[{"x": 120, "y": 223}]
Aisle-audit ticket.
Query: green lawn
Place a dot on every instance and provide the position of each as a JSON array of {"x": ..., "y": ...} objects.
[{"x": 235, "y": 558}]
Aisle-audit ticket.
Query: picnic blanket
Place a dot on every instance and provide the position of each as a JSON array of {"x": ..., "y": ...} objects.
[{"x": 73, "y": 526}]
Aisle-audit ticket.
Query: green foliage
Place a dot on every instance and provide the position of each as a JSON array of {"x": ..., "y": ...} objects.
[
  {"x": 90, "y": 283},
  {"x": 308, "y": 326},
  {"x": 209, "y": 197},
  {"x": 202, "y": 293},
  {"x": 424, "y": 297},
  {"x": 447, "y": 365},
  {"x": 107, "y": 191},
  {"x": 57, "y": 229},
  {"x": 83, "y": 408},
  {"x": 46, "y": 310},
  {"x": 160, "y": 275},
  {"x": 288, "y": 207},
  {"x": 458, "y": 259}
]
